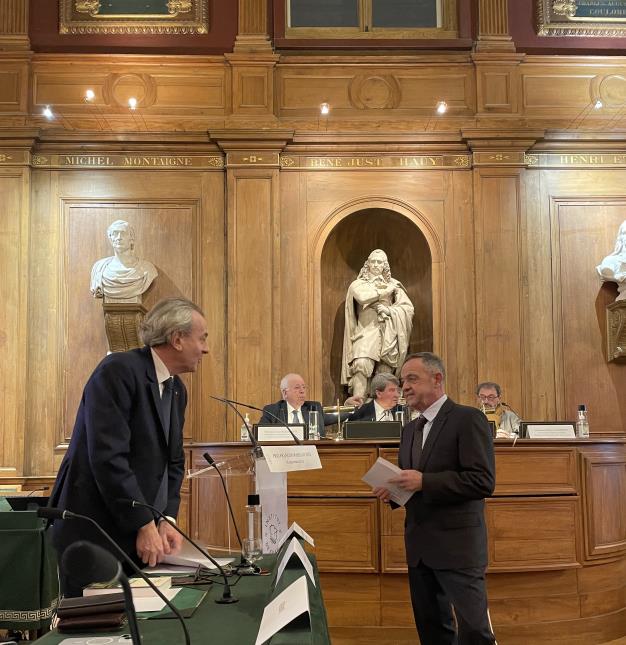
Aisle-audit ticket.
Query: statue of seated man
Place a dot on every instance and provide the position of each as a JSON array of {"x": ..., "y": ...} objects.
[
  {"x": 123, "y": 275},
  {"x": 613, "y": 267},
  {"x": 379, "y": 318}
]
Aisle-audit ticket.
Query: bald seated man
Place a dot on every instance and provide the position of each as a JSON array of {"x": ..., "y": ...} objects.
[{"x": 294, "y": 406}]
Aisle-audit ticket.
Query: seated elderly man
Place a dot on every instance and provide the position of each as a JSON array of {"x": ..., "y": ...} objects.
[
  {"x": 488, "y": 395},
  {"x": 294, "y": 407},
  {"x": 385, "y": 390}
]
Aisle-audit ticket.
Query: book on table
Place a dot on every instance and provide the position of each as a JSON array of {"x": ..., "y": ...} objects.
[{"x": 138, "y": 586}]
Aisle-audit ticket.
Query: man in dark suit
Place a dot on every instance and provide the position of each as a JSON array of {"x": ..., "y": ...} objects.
[
  {"x": 448, "y": 463},
  {"x": 127, "y": 441},
  {"x": 385, "y": 390},
  {"x": 293, "y": 408}
]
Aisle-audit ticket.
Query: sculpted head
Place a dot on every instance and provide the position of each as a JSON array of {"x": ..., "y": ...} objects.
[
  {"x": 376, "y": 265},
  {"x": 121, "y": 235}
]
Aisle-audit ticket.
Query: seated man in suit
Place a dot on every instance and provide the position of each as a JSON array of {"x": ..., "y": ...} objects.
[
  {"x": 385, "y": 389},
  {"x": 293, "y": 408}
]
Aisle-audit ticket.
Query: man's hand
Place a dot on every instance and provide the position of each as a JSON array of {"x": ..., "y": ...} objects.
[
  {"x": 382, "y": 493},
  {"x": 149, "y": 544},
  {"x": 410, "y": 480},
  {"x": 357, "y": 401},
  {"x": 172, "y": 539}
]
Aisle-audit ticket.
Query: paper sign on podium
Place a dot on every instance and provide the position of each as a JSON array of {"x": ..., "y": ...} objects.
[
  {"x": 290, "y": 605},
  {"x": 285, "y": 459}
]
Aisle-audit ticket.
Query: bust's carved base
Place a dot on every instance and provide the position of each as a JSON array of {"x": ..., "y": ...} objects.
[
  {"x": 121, "y": 323},
  {"x": 616, "y": 331}
]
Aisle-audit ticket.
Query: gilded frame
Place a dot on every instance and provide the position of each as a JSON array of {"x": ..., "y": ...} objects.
[
  {"x": 182, "y": 17},
  {"x": 571, "y": 18}
]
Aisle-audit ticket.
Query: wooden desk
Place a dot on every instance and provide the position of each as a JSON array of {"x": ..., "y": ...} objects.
[{"x": 557, "y": 540}]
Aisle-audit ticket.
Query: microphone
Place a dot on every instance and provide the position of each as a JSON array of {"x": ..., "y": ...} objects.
[
  {"x": 256, "y": 449},
  {"x": 87, "y": 563},
  {"x": 51, "y": 513},
  {"x": 227, "y": 597},
  {"x": 244, "y": 567},
  {"x": 254, "y": 407}
]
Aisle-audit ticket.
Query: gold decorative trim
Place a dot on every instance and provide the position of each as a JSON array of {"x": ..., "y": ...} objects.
[
  {"x": 576, "y": 160},
  {"x": 30, "y": 615},
  {"x": 263, "y": 159},
  {"x": 599, "y": 18},
  {"x": 182, "y": 17},
  {"x": 128, "y": 161},
  {"x": 499, "y": 158},
  {"x": 4, "y": 158},
  {"x": 380, "y": 162}
]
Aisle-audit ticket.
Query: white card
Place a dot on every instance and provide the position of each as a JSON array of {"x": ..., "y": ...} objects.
[
  {"x": 295, "y": 548},
  {"x": 550, "y": 431},
  {"x": 380, "y": 474},
  {"x": 287, "y": 606},
  {"x": 296, "y": 528},
  {"x": 285, "y": 459}
]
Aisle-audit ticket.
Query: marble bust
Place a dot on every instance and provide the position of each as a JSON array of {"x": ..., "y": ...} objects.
[
  {"x": 121, "y": 276},
  {"x": 378, "y": 323},
  {"x": 613, "y": 267}
]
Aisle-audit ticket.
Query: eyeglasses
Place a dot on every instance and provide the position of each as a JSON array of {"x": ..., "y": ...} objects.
[{"x": 491, "y": 398}]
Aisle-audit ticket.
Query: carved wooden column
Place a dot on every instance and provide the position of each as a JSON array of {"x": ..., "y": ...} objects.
[
  {"x": 252, "y": 63},
  {"x": 14, "y": 25},
  {"x": 253, "y": 264},
  {"x": 505, "y": 322},
  {"x": 15, "y": 173},
  {"x": 493, "y": 26}
]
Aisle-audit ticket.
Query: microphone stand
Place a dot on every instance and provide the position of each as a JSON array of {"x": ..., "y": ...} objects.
[
  {"x": 256, "y": 449},
  {"x": 55, "y": 513},
  {"x": 227, "y": 597},
  {"x": 244, "y": 567}
]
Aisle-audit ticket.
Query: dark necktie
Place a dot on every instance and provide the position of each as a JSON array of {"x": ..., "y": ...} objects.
[
  {"x": 166, "y": 405},
  {"x": 418, "y": 438},
  {"x": 295, "y": 417},
  {"x": 161, "y": 498}
]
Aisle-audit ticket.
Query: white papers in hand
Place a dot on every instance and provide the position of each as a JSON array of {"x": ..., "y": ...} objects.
[
  {"x": 190, "y": 556},
  {"x": 380, "y": 474}
]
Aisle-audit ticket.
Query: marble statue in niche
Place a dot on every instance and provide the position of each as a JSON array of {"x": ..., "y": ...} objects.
[{"x": 378, "y": 323}]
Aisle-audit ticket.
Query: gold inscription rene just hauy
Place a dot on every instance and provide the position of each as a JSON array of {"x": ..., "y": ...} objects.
[
  {"x": 413, "y": 162},
  {"x": 164, "y": 162}
]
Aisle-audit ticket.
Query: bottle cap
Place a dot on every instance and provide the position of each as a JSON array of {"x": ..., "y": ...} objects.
[
  {"x": 582, "y": 408},
  {"x": 254, "y": 499}
]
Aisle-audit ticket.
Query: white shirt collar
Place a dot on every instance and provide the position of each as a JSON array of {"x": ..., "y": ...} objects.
[
  {"x": 290, "y": 409},
  {"x": 162, "y": 373},
  {"x": 379, "y": 411},
  {"x": 431, "y": 412}
]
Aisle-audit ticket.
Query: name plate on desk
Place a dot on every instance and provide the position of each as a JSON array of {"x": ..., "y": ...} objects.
[
  {"x": 294, "y": 555},
  {"x": 289, "y": 605},
  {"x": 284, "y": 459},
  {"x": 558, "y": 430},
  {"x": 278, "y": 433}
]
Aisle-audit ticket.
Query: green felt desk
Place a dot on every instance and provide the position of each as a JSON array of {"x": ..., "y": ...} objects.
[
  {"x": 28, "y": 571},
  {"x": 236, "y": 624}
]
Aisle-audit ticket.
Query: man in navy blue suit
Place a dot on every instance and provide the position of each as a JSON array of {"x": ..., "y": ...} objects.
[
  {"x": 447, "y": 462},
  {"x": 127, "y": 441},
  {"x": 385, "y": 388}
]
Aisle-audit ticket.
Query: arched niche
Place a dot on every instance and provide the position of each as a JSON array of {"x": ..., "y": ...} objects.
[{"x": 342, "y": 248}]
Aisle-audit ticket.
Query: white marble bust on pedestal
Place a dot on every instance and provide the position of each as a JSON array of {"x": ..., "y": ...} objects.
[
  {"x": 123, "y": 276},
  {"x": 613, "y": 267}
]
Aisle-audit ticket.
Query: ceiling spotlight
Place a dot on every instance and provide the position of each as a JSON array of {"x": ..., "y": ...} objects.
[
  {"x": 598, "y": 104},
  {"x": 47, "y": 112},
  {"x": 324, "y": 108},
  {"x": 90, "y": 95},
  {"x": 132, "y": 103},
  {"x": 442, "y": 107}
]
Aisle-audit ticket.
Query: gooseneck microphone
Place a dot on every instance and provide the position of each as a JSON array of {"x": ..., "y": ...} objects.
[
  {"x": 256, "y": 449},
  {"x": 254, "y": 407},
  {"x": 86, "y": 563},
  {"x": 51, "y": 513},
  {"x": 227, "y": 597},
  {"x": 244, "y": 566}
]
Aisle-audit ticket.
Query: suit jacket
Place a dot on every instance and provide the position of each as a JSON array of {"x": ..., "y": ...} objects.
[
  {"x": 119, "y": 451},
  {"x": 279, "y": 409},
  {"x": 367, "y": 412},
  {"x": 445, "y": 523}
]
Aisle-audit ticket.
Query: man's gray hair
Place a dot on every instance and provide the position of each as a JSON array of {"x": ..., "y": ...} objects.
[
  {"x": 165, "y": 319},
  {"x": 431, "y": 361},
  {"x": 380, "y": 382},
  {"x": 488, "y": 385}
]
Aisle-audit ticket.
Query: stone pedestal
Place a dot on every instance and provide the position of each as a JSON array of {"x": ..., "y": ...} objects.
[
  {"x": 121, "y": 323},
  {"x": 616, "y": 331}
]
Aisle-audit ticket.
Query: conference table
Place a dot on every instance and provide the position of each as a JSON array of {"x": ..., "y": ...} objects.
[{"x": 236, "y": 623}]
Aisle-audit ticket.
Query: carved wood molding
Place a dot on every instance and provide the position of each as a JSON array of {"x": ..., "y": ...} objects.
[{"x": 493, "y": 26}]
